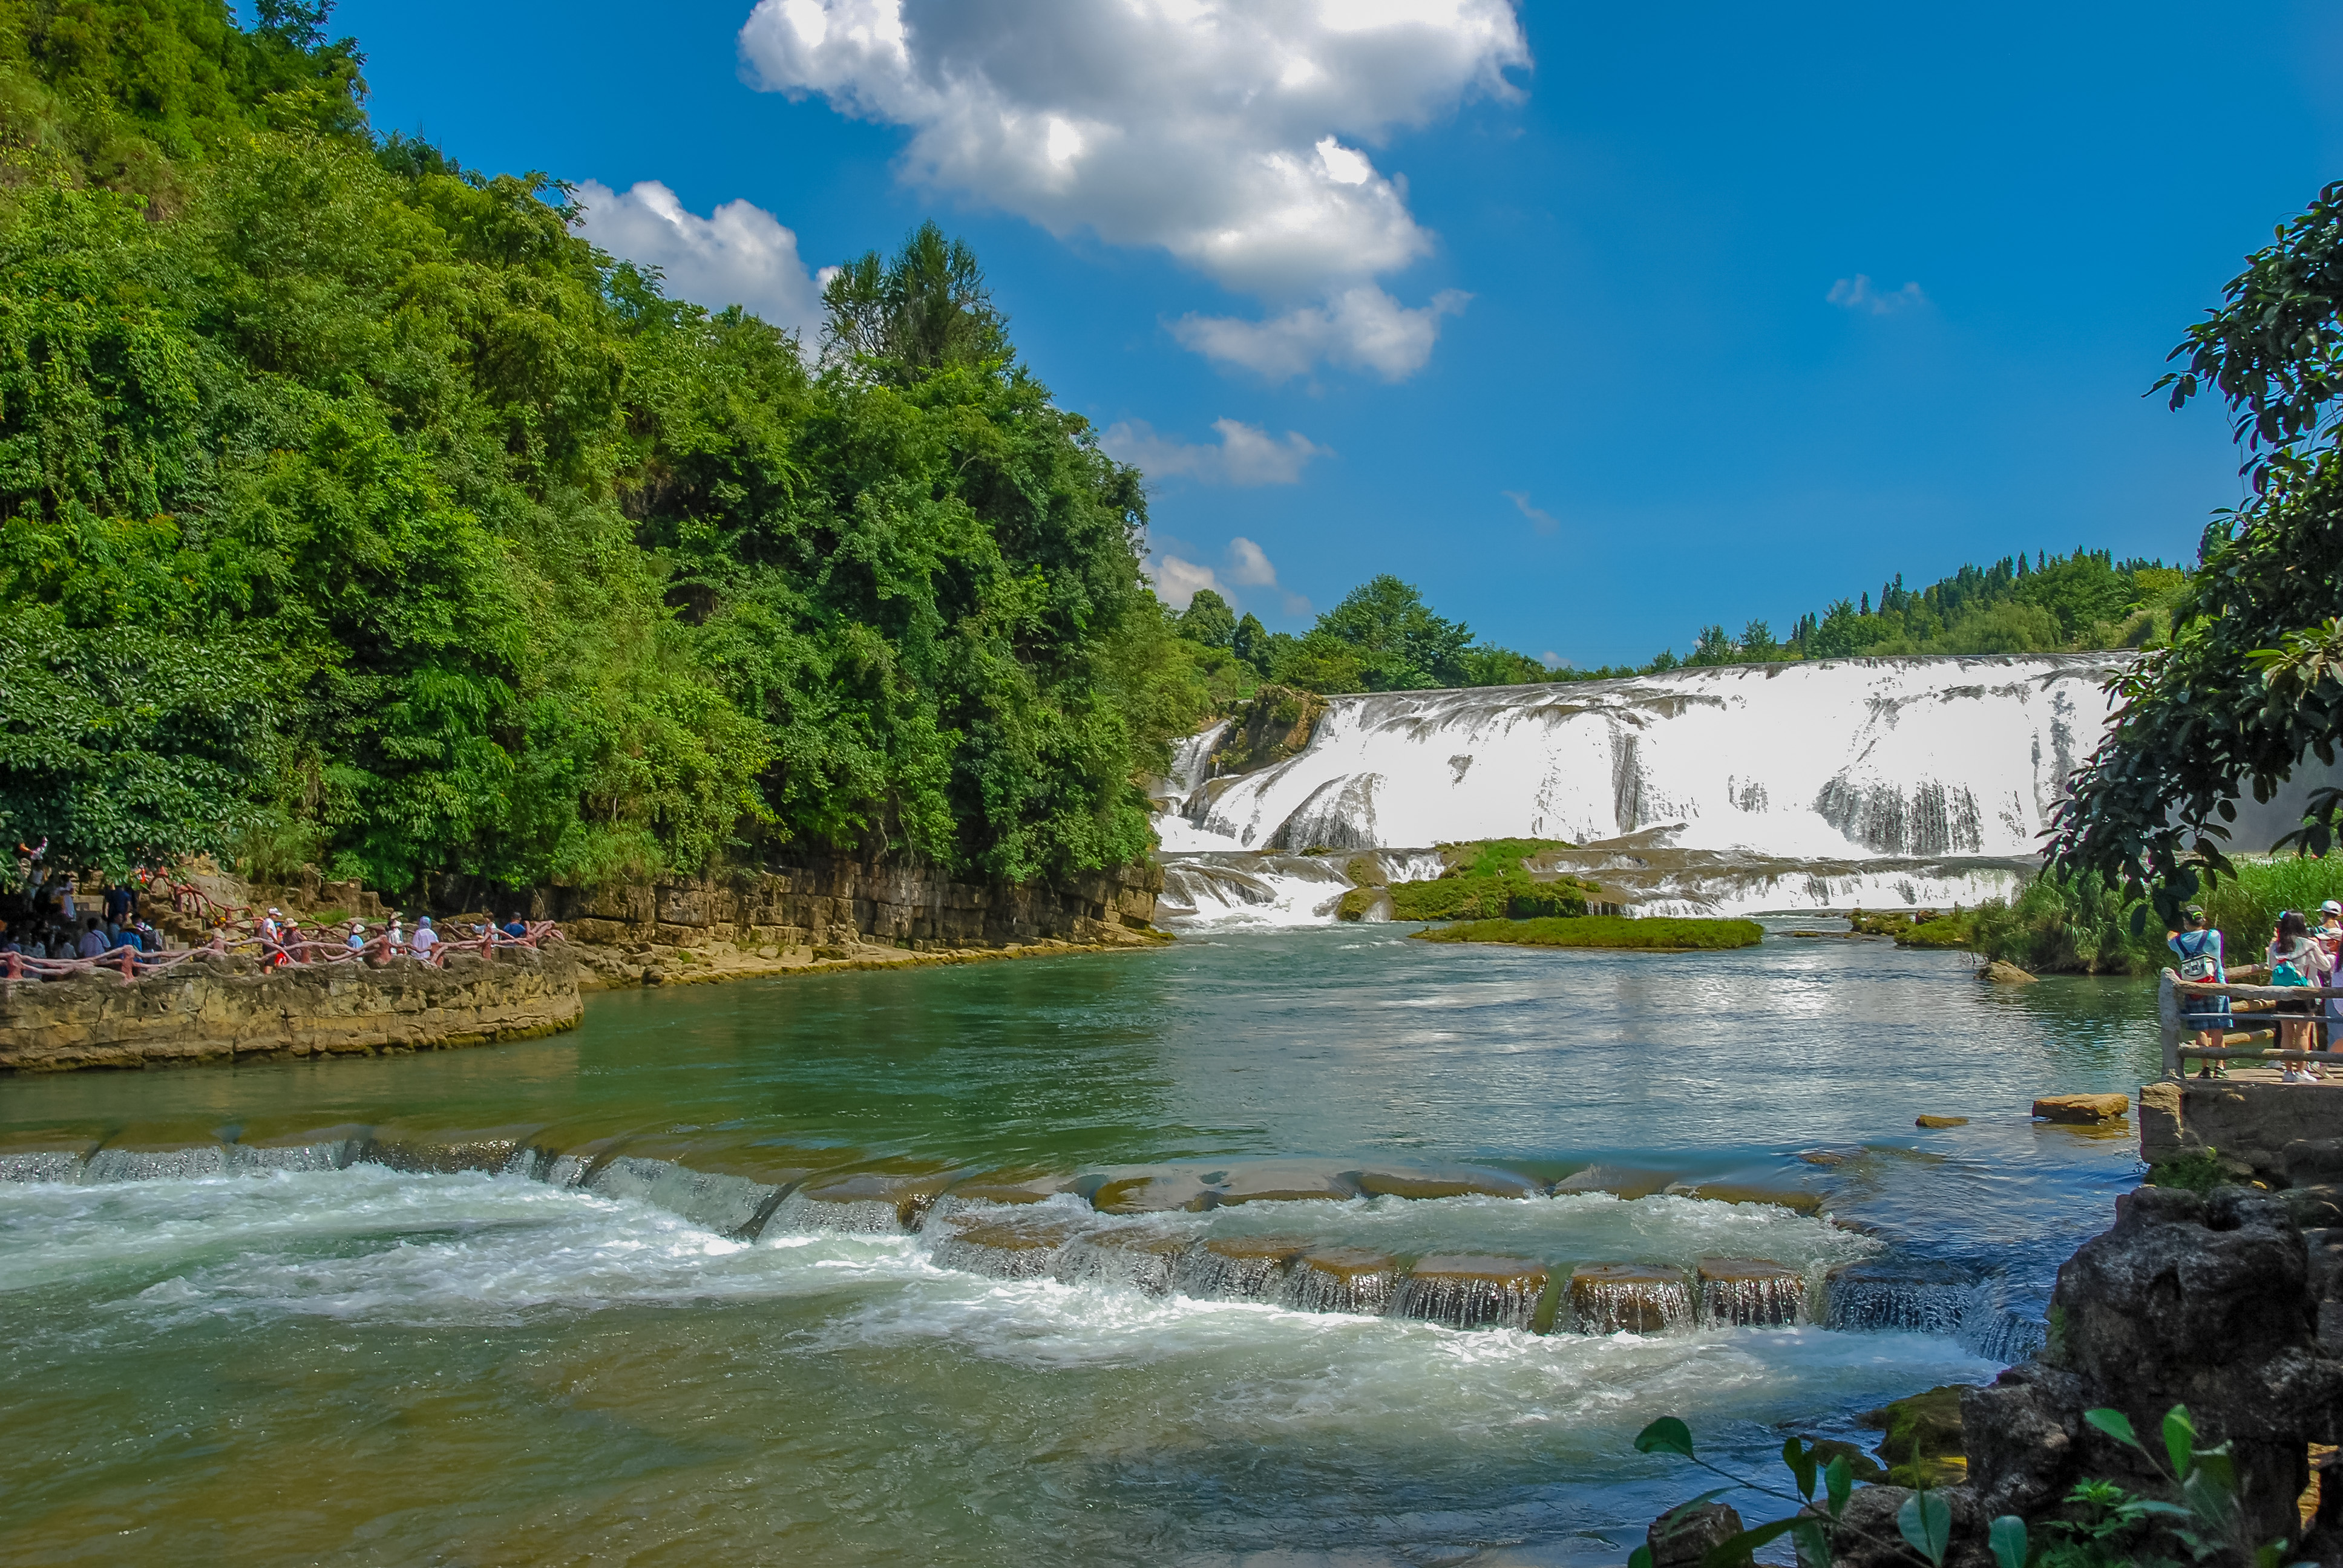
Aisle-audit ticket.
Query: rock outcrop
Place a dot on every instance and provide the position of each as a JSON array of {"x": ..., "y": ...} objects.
[
  {"x": 2247, "y": 1123},
  {"x": 223, "y": 1009},
  {"x": 2207, "y": 1301},
  {"x": 837, "y": 902}
]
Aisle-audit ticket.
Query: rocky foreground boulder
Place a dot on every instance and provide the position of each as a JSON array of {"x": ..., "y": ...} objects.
[{"x": 2210, "y": 1301}]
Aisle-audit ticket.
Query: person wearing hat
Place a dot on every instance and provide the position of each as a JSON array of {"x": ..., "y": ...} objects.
[
  {"x": 425, "y": 938},
  {"x": 2329, "y": 936},
  {"x": 358, "y": 937},
  {"x": 2202, "y": 961}
]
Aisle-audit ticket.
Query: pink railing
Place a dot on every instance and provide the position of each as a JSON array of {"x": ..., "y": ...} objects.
[{"x": 131, "y": 963}]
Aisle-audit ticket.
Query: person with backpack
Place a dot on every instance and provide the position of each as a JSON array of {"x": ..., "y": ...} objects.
[
  {"x": 2202, "y": 961},
  {"x": 2295, "y": 960}
]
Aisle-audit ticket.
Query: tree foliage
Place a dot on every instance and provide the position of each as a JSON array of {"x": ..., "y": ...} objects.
[
  {"x": 358, "y": 506},
  {"x": 2244, "y": 692}
]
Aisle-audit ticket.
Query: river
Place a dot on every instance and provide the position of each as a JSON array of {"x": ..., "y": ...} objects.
[{"x": 381, "y": 1366}]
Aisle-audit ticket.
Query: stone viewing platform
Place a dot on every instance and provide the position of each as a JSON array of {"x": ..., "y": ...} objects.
[{"x": 225, "y": 1009}]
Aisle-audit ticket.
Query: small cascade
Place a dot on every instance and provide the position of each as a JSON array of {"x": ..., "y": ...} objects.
[
  {"x": 1134, "y": 1257},
  {"x": 1896, "y": 1295},
  {"x": 261, "y": 1160},
  {"x": 156, "y": 1164},
  {"x": 1472, "y": 1292},
  {"x": 1343, "y": 1280},
  {"x": 1750, "y": 1293},
  {"x": 728, "y": 1205},
  {"x": 801, "y": 1212},
  {"x": 1019, "y": 1248},
  {"x": 41, "y": 1165},
  {"x": 1149, "y": 1230},
  {"x": 2004, "y": 1335},
  {"x": 1260, "y": 890},
  {"x": 1239, "y": 1268},
  {"x": 1631, "y": 1298},
  {"x": 491, "y": 1153}
]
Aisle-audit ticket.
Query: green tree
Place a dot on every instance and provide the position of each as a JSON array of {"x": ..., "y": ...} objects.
[
  {"x": 1208, "y": 620},
  {"x": 2204, "y": 720},
  {"x": 1397, "y": 640},
  {"x": 1250, "y": 643},
  {"x": 926, "y": 309}
]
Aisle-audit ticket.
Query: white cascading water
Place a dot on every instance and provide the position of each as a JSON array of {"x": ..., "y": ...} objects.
[{"x": 1726, "y": 791}]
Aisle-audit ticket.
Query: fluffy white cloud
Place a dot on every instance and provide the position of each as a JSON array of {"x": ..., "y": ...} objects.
[
  {"x": 1553, "y": 661},
  {"x": 739, "y": 254},
  {"x": 1359, "y": 329},
  {"x": 1246, "y": 454},
  {"x": 1856, "y": 294},
  {"x": 1234, "y": 134},
  {"x": 1177, "y": 581}
]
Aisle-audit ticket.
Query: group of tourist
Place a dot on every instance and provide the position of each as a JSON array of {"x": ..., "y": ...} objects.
[
  {"x": 50, "y": 917},
  {"x": 2305, "y": 952},
  {"x": 283, "y": 941}
]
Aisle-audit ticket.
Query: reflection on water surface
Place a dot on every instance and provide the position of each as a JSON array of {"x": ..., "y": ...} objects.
[{"x": 399, "y": 1366}]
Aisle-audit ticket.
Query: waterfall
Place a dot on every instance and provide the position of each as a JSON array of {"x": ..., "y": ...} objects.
[
  {"x": 1261, "y": 890},
  {"x": 1906, "y": 757},
  {"x": 1883, "y": 782}
]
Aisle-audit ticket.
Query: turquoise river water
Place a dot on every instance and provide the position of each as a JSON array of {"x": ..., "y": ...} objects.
[{"x": 322, "y": 1338}]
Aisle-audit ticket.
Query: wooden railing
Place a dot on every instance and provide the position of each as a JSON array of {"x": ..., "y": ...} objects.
[{"x": 2181, "y": 1023}]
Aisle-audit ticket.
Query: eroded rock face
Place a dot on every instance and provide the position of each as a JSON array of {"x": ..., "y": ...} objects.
[
  {"x": 2204, "y": 1302},
  {"x": 214, "y": 1009}
]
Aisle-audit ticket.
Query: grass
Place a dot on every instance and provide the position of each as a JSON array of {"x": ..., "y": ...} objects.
[
  {"x": 2060, "y": 926},
  {"x": 1655, "y": 935},
  {"x": 1485, "y": 881}
]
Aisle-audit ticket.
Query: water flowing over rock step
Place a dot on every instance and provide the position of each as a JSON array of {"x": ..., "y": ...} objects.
[
  {"x": 1144, "y": 1232},
  {"x": 834, "y": 1188}
]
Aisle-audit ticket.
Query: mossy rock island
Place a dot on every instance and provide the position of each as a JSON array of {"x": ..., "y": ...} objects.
[
  {"x": 1658, "y": 934},
  {"x": 1484, "y": 880}
]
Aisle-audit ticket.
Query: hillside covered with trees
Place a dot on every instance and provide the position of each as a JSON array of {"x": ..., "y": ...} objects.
[
  {"x": 354, "y": 511},
  {"x": 1383, "y": 637}
]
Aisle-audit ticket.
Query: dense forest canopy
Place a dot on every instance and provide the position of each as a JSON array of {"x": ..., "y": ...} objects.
[{"x": 354, "y": 510}]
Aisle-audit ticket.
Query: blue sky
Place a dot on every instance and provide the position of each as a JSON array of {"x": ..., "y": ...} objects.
[{"x": 1599, "y": 324}]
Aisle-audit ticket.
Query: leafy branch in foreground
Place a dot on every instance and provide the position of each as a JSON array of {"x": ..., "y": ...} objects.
[
  {"x": 2203, "y": 1514},
  {"x": 1924, "y": 1520},
  {"x": 2207, "y": 1519},
  {"x": 2244, "y": 693}
]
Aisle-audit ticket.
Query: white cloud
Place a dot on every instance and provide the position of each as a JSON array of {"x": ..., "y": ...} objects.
[
  {"x": 1237, "y": 134},
  {"x": 1177, "y": 581},
  {"x": 1248, "y": 563},
  {"x": 1361, "y": 328},
  {"x": 1248, "y": 566},
  {"x": 1553, "y": 661},
  {"x": 1246, "y": 454},
  {"x": 1856, "y": 294},
  {"x": 739, "y": 254},
  {"x": 1543, "y": 521}
]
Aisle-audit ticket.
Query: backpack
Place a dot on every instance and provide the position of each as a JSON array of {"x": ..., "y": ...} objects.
[
  {"x": 2286, "y": 972},
  {"x": 2204, "y": 964}
]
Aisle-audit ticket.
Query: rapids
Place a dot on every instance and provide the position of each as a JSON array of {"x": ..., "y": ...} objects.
[{"x": 1258, "y": 1248}]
